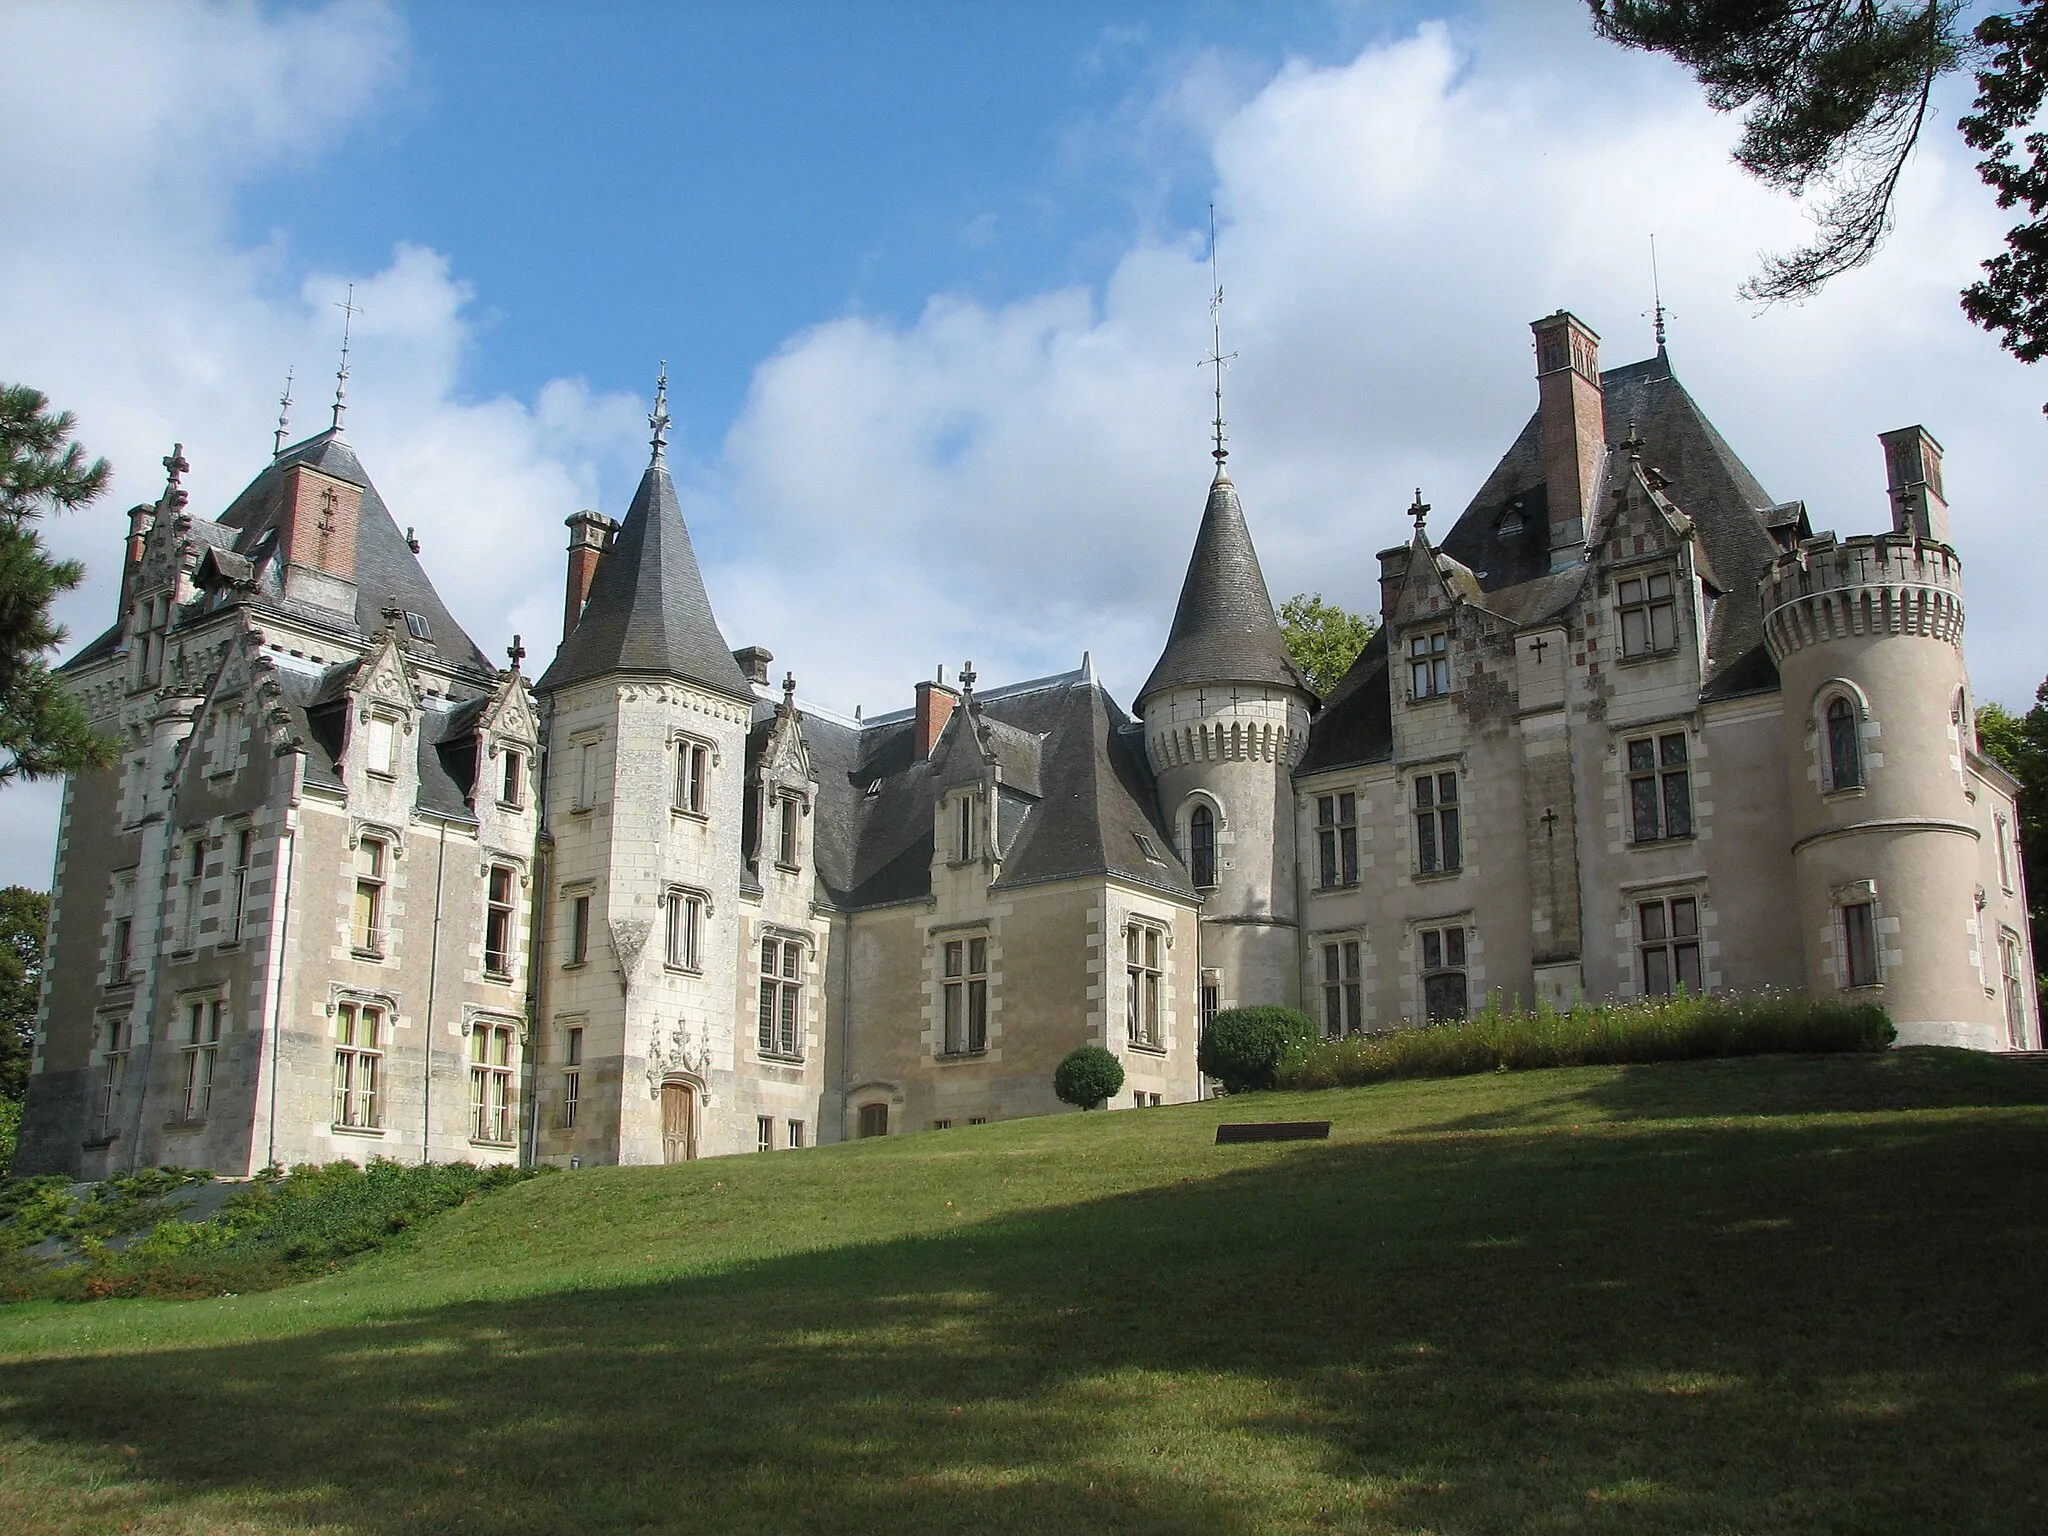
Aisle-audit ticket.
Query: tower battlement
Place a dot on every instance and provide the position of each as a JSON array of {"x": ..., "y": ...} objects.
[{"x": 1870, "y": 584}]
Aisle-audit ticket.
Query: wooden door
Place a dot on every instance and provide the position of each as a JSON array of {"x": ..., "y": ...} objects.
[{"x": 678, "y": 1122}]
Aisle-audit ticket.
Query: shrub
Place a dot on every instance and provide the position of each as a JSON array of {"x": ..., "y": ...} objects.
[
  {"x": 1086, "y": 1076},
  {"x": 1243, "y": 1047},
  {"x": 1663, "y": 1029}
]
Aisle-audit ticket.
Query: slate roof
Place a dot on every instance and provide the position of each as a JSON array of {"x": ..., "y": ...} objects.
[
  {"x": 1502, "y": 537},
  {"x": 1099, "y": 796},
  {"x": 648, "y": 611},
  {"x": 1223, "y": 627}
]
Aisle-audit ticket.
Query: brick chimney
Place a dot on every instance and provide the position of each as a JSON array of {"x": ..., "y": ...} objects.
[
  {"x": 1912, "y": 463},
  {"x": 317, "y": 531},
  {"x": 935, "y": 705},
  {"x": 590, "y": 535},
  {"x": 1573, "y": 417},
  {"x": 1394, "y": 565}
]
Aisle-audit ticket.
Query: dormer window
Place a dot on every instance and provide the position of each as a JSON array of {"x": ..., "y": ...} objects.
[
  {"x": 789, "y": 811},
  {"x": 380, "y": 744},
  {"x": 416, "y": 626},
  {"x": 1429, "y": 665},
  {"x": 963, "y": 832},
  {"x": 512, "y": 780},
  {"x": 1649, "y": 614}
]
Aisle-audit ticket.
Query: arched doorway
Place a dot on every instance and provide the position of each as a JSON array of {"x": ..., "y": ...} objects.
[{"x": 678, "y": 1122}]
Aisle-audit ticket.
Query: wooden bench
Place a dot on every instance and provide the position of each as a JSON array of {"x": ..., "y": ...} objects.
[{"x": 1274, "y": 1130}]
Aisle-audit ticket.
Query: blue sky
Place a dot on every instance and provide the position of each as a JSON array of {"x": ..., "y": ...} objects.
[{"x": 932, "y": 282}]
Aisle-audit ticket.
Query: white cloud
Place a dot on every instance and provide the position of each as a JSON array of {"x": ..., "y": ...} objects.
[{"x": 124, "y": 297}]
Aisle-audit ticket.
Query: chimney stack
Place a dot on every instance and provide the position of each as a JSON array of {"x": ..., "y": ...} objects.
[
  {"x": 317, "y": 529},
  {"x": 1573, "y": 417},
  {"x": 1912, "y": 463},
  {"x": 935, "y": 705},
  {"x": 755, "y": 660},
  {"x": 590, "y": 535},
  {"x": 1394, "y": 565}
]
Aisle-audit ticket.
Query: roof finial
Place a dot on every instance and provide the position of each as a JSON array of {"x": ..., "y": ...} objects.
[
  {"x": 967, "y": 676},
  {"x": 1657, "y": 295},
  {"x": 349, "y": 310},
  {"x": 660, "y": 419},
  {"x": 789, "y": 690},
  {"x": 1217, "y": 356},
  {"x": 515, "y": 653},
  {"x": 1419, "y": 510},
  {"x": 175, "y": 465},
  {"x": 1633, "y": 442},
  {"x": 284, "y": 412}
]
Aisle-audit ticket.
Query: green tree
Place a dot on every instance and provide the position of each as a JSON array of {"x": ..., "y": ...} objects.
[
  {"x": 43, "y": 730},
  {"x": 24, "y": 919},
  {"x": 2019, "y": 745},
  {"x": 1086, "y": 1076},
  {"x": 1834, "y": 96},
  {"x": 1322, "y": 638}
]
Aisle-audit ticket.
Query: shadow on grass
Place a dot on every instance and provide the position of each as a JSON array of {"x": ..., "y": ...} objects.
[{"x": 1686, "y": 1329}]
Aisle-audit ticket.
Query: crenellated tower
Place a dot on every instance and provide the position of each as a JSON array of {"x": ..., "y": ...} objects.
[{"x": 1884, "y": 784}]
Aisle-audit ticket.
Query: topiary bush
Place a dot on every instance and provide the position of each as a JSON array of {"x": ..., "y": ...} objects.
[
  {"x": 1243, "y": 1047},
  {"x": 1086, "y": 1076}
]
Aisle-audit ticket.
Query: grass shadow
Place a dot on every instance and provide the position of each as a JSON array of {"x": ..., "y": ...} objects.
[{"x": 1697, "y": 1328}]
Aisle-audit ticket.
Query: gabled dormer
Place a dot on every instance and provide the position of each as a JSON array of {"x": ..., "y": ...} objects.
[
  {"x": 1653, "y": 577},
  {"x": 383, "y": 716},
  {"x": 782, "y": 794}
]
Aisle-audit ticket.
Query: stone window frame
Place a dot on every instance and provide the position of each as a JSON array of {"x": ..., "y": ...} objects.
[
  {"x": 1420, "y": 929},
  {"x": 1147, "y": 981},
  {"x": 1414, "y": 779},
  {"x": 949, "y": 986},
  {"x": 791, "y": 807},
  {"x": 2001, "y": 826},
  {"x": 2012, "y": 970},
  {"x": 1646, "y": 602},
  {"x": 224, "y": 736},
  {"x": 198, "y": 1041},
  {"x": 572, "y": 892},
  {"x": 497, "y": 1080},
  {"x": 574, "y": 1030},
  {"x": 1337, "y": 859},
  {"x": 392, "y": 840},
  {"x": 375, "y": 712},
  {"x": 1821, "y": 744},
  {"x": 1657, "y": 733},
  {"x": 1842, "y": 900},
  {"x": 113, "y": 1041},
  {"x": 1662, "y": 894},
  {"x": 694, "y": 800},
  {"x": 359, "y": 999},
  {"x": 680, "y": 897},
  {"x": 783, "y": 984},
  {"x": 1339, "y": 980},
  {"x": 1219, "y": 823},
  {"x": 1442, "y": 676},
  {"x": 240, "y": 836},
  {"x": 514, "y": 760},
  {"x": 119, "y": 956},
  {"x": 585, "y": 757}
]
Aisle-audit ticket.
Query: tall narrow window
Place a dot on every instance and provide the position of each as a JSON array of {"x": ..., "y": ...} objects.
[
  {"x": 1859, "y": 944},
  {"x": 2004, "y": 834},
  {"x": 1336, "y": 840},
  {"x": 1649, "y": 615},
  {"x": 498, "y": 926},
  {"x": 491, "y": 1061},
  {"x": 1144, "y": 977},
  {"x": 1343, "y": 989},
  {"x": 358, "y": 1063},
  {"x": 796, "y": 1135},
  {"x": 368, "y": 936},
  {"x": 124, "y": 951},
  {"x": 963, "y": 839},
  {"x": 965, "y": 1002},
  {"x": 579, "y": 929},
  {"x": 682, "y": 929},
  {"x": 1202, "y": 846},
  {"x": 1845, "y": 752},
  {"x": 380, "y": 745},
  {"x": 1429, "y": 665},
  {"x": 238, "y": 885},
  {"x": 1212, "y": 1001},
  {"x": 1439, "y": 832},
  {"x": 693, "y": 769},
  {"x": 780, "y": 1021},
  {"x": 512, "y": 778},
  {"x": 113, "y": 1067},
  {"x": 1443, "y": 974},
  {"x": 1668, "y": 943},
  {"x": 572, "y": 1075},
  {"x": 195, "y": 871},
  {"x": 586, "y": 775},
  {"x": 202, "y": 1041},
  {"x": 789, "y": 811},
  {"x": 1659, "y": 788},
  {"x": 874, "y": 1120},
  {"x": 2015, "y": 990}
]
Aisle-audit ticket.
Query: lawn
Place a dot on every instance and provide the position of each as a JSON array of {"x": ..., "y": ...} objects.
[{"x": 1780, "y": 1294}]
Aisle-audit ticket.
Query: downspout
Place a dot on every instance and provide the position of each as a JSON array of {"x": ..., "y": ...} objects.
[
  {"x": 156, "y": 958},
  {"x": 287, "y": 852},
  {"x": 845, "y": 1022},
  {"x": 433, "y": 976},
  {"x": 543, "y": 877}
]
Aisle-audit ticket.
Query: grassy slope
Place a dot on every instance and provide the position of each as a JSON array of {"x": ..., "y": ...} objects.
[{"x": 1724, "y": 1296}]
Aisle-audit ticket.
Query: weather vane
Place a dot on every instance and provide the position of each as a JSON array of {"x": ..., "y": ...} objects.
[
  {"x": 284, "y": 415},
  {"x": 1217, "y": 357},
  {"x": 1657, "y": 296},
  {"x": 660, "y": 419},
  {"x": 349, "y": 310}
]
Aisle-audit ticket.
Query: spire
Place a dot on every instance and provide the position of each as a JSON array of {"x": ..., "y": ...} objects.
[
  {"x": 349, "y": 311},
  {"x": 284, "y": 416},
  {"x": 1657, "y": 297},
  {"x": 647, "y": 610},
  {"x": 1217, "y": 356},
  {"x": 660, "y": 419},
  {"x": 1223, "y": 630}
]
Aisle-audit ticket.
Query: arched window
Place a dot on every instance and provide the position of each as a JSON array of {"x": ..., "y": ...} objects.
[
  {"x": 1202, "y": 846},
  {"x": 1845, "y": 753}
]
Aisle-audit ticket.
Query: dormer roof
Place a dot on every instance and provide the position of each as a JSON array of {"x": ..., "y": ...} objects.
[
  {"x": 1223, "y": 629},
  {"x": 648, "y": 611}
]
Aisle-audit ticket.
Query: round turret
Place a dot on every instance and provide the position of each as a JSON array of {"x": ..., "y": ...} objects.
[{"x": 1867, "y": 635}]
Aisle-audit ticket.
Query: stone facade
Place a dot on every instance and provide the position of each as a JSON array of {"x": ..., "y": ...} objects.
[{"x": 353, "y": 891}]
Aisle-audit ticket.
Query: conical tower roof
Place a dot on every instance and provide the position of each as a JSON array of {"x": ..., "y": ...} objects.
[
  {"x": 1224, "y": 630},
  {"x": 648, "y": 611}
]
